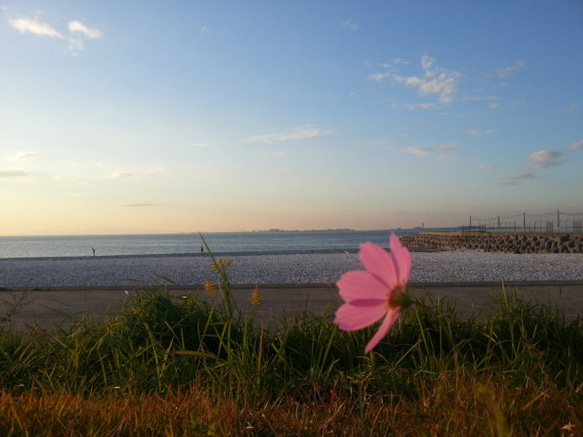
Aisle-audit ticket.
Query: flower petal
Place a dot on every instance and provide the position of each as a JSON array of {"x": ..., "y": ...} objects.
[
  {"x": 402, "y": 259},
  {"x": 390, "y": 319},
  {"x": 359, "y": 284},
  {"x": 377, "y": 261},
  {"x": 351, "y": 318}
]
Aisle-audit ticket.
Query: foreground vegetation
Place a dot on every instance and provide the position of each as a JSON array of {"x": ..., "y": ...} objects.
[{"x": 170, "y": 366}]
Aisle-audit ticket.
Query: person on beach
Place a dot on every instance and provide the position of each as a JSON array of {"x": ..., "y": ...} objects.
[{"x": 93, "y": 249}]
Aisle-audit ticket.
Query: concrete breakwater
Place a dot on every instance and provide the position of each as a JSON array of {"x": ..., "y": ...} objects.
[{"x": 502, "y": 243}]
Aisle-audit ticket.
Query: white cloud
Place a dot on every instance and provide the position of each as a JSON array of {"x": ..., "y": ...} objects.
[
  {"x": 204, "y": 30},
  {"x": 132, "y": 174},
  {"x": 78, "y": 31},
  {"x": 400, "y": 61},
  {"x": 139, "y": 205},
  {"x": 120, "y": 175},
  {"x": 506, "y": 72},
  {"x": 415, "y": 106},
  {"x": 479, "y": 98},
  {"x": 540, "y": 160},
  {"x": 536, "y": 161},
  {"x": 573, "y": 107},
  {"x": 379, "y": 77},
  {"x": 13, "y": 173},
  {"x": 543, "y": 159},
  {"x": 25, "y": 156},
  {"x": 446, "y": 147},
  {"x": 427, "y": 62},
  {"x": 200, "y": 145},
  {"x": 154, "y": 170},
  {"x": 76, "y": 27},
  {"x": 35, "y": 26},
  {"x": 76, "y": 45},
  {"x": 435, "y": 80},
  {"x": 420, "y": 150},
  {"x": 441, "y": 152},
  {"x": 479, "y": 132},
  {"x": 301, "y": 133},
  {"x": 494, "y": 105}
]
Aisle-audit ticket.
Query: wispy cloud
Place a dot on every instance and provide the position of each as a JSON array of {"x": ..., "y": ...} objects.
[
  {"x": 200, "y": 145},
  {"x": 139, "y": 205},
  {"x": 24, "y": 156},
  {"x": 298, "y": 134},
  {"x": 441, "y": 152},
  {"x": 421, "y": 150},
  {"x": 120, "y": 175},
  {"x": 76, "y": 27},
  {"x": 576, "y": 146},
  {"x": 415, "y": 106},
  {"x": 434, "y": 80},
  {"x": 350, "y": 25},
  {"x": 13, "y": 173},
  {"x": 506, "y": 72},
  {"x": 541, "y": 160},
  {"x": 379, "y": 77},
  {"x": 132, "y": 174},
  {"x": 78, "y": 32},
  {"x": 537, "y": 161},
  {"x": 35, "y": 26},
  {"x": 479, "y": 132}
]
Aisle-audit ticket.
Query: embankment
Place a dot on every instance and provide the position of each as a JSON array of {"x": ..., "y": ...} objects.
[{"x": 501, "y": 243}]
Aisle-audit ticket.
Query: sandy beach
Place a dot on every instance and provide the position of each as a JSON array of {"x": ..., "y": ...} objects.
[{"x": 53, "y": 291}]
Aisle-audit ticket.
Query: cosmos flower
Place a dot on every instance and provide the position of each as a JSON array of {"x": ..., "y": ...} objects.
[{"x": 377, "y": 292}]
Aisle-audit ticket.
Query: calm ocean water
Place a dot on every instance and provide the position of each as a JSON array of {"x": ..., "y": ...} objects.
[{"x": 169, "y": 244}]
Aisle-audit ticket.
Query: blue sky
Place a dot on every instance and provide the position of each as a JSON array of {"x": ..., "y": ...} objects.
[{"x": 184, "y": 116}]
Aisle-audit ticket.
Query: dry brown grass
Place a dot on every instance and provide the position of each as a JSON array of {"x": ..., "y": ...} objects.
[{"x": 449, "y": 405}]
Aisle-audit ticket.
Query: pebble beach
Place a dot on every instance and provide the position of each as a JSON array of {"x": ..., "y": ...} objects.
[{"x": 314, "y": 268}]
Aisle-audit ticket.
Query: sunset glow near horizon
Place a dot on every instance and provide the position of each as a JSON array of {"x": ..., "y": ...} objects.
[{"x": 184, "y": 116}]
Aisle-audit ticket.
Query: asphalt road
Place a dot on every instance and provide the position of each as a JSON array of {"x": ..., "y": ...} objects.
[{"x": 59, "y": 306}]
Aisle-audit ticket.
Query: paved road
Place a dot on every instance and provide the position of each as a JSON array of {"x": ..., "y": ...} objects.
[{"x": 58, "y": 306}]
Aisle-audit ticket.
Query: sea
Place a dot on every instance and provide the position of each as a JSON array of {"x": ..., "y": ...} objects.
[{"x": 220, "y": 243}]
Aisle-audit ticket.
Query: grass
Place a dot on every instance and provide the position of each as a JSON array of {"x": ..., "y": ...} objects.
[{"x": 176, "y": 366}]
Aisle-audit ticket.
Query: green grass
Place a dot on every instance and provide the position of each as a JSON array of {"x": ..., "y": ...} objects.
[{"x": 167, "y": 365}]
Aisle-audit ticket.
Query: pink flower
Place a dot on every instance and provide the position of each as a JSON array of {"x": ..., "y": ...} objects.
[{"x": 377, "y": 292}]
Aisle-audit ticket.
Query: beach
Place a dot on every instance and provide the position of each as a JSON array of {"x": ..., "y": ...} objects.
[
  {"x": 56, "y": 290},
  {"x": 311, "y": 268}
]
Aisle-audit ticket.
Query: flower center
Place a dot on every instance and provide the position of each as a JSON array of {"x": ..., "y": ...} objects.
[{"x": 400, "y": 298}]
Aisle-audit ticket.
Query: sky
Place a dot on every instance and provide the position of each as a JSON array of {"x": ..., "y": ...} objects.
[{"x": 164, "y": 116}]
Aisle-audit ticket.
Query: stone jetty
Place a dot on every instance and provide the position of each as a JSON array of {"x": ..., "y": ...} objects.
[{"x": 492, "y": 242}]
